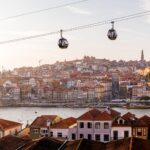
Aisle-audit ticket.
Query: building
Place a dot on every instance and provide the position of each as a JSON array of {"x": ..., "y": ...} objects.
[
  {"x": 96, "y": 125},
  {"x": 41, "y": 125},
  {"x": 8, "y": 127},
  {"x": 65, "y": 128},
  {"x": 146, "y": 119},
  {"x": 129, "y": 126},
  {"x": 115, "y": 85},
  {"x": 121, "y": 128}
]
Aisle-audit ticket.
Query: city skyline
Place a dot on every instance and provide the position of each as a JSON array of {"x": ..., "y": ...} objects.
[{"x": 132, "y": 35}]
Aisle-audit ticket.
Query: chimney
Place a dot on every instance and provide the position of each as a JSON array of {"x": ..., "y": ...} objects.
[
  {"x": 48, "y": 123},
  {"x": 108, "y": 110}
]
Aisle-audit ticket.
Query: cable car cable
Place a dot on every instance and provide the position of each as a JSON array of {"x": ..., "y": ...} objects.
[
  {"x": 42, "y": 10},
  {"x": 119, "y": 19}
]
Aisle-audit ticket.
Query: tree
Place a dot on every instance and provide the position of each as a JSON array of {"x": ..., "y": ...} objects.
[{"x": 145, "y": 98}]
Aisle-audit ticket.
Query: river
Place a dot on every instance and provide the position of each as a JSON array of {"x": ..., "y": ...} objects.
[{"x": 24, "y": 114}]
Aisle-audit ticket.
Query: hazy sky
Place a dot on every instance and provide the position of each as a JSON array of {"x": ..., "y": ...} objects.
[{"x": 133, "y": 35}]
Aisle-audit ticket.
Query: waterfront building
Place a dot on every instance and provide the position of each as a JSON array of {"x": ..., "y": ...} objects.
[
  {"x": 140, "y": 91},
  {"x": 41, "y": 125},
  {"x": 121, "y": 128},
  {"x": 146, "y": 119},
  {"x": 96, "y": 125},
  {"x": 8, "y": 127},
  {"x": 129, "y": 126},
  {"x": 115, "y": 85},
  {"x": 65, "y": 128}
]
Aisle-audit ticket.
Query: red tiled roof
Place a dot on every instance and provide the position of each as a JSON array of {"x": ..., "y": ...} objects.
[
  {"x": 103, "y": 116},
  {"x": 90, "y": 115},
  {"x": 42, "y": 121},
  {"x": 12, "y": 142},
  {"x": 139, "y": 123},
  {"x": 65, "y": 123},
  {"x": 96, "y": 114},
  {"x": 127, "y": 123},
  {"x": 7, "y": 124},
  {"x": 129, "y": 116},
  {"x": 146, "y": 119},
  {"x": 114, "y": 113}
]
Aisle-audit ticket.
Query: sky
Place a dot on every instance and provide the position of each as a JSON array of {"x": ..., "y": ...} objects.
[{"x": 133, "y": 35}]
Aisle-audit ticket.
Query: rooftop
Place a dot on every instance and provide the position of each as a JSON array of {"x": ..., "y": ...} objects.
[
  {"x": 42, "y": 121},
  {"x": 65, "y": 123},
  {"x": 7, "y": 124}
]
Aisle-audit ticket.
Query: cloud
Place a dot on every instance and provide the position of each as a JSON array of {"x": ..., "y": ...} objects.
[
  {"x": 145, "y": 4},
  {"x": 78, "y": 10}
]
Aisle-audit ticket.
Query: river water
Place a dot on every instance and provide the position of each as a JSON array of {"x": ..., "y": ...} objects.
[{"x": 24, "y": 114}]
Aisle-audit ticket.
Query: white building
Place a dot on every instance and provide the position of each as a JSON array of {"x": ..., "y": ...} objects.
[
  {"x": 66, "y": 128},
  {"x": 96, "y": 125}
]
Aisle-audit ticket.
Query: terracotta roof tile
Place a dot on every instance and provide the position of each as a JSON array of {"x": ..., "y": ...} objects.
[
  {"x": 146, "y": 119},
  {"x": 139, "y": 123},
  {"x": 42, "y": 121},
  {"x": 129, "y": 116},
  {"x": 103, "y": 116},
  {"x": 90, "y": 115},
  {"x": 65, "y": 123},
  {"x": 114, "y": 113},
  {"x": 12, "y": 142},
  {"x": 7, "y": 124},
  {"x": 127, "y": 123}
]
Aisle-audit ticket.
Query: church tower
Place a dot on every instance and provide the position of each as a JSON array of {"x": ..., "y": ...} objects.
[
  {"x": 142, "y": 56},
  {"x": 142, "y": 61}
]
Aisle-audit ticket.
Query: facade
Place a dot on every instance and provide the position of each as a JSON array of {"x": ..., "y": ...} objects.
[
  {"x": 129, "y": 126},
  {"x": 66, "y": 128},
  {"x": 121, "y": 128},
  {"x": 115, "y": 85},
  {"x": 8, "y": 127},
  {"x": 41, "y": 125},
  {"x": 96, "y": 125},
  {"x": 103, "y": 126}
]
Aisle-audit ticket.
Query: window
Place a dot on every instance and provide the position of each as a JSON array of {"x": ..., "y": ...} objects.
[
  {"x": 115, "y": 135},
  {"x": 144, "y": 131},
  {"x": 134, "y": 133},
  {"x": 106, "y": 137},
  {"x": 97, "y": 125},
  {"x": 36, "y": 131},
  {"x": 51, "y": 133},
  {"x": 89, "y": 125},
  {"x": 73, "y": 136},
  {"x": 81, "y": 125},
  {"x": 89, "y": 137},
  {"x": 126, "y": 134},
  {"x": 139, "y": 132},
  {"x": 97, "y": 137},
  {"x": 81, "y": 136},
  {"x": 44, "y": 131},
  {"x": 59, "y": 134},
  {"x": 106, "y": 125},
  {"x": 120, "y": 121}
]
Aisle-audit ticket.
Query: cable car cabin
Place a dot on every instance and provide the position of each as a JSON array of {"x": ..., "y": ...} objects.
[
  {"x": 63, "y": 43},
  {"x": 112, "y": 34}
]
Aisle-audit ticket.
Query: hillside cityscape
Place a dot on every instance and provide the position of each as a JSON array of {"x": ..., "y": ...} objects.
[{"x": 86, "y": 82}]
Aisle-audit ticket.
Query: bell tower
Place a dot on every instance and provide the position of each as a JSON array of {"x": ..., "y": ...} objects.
[{"x": 142, "y": 56}]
